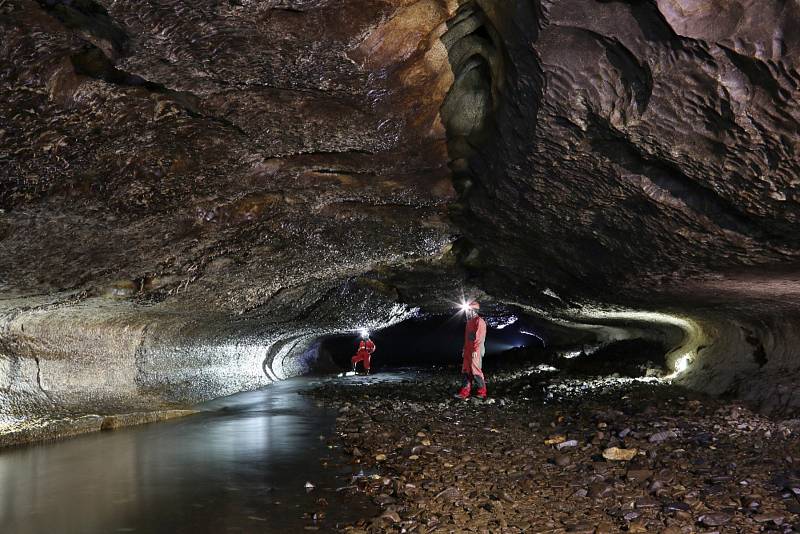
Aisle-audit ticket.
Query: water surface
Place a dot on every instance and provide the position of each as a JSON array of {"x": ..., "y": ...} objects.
[{"x": 240, "y": 466}]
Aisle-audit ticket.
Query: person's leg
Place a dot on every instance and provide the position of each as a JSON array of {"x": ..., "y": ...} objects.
[
  {"x": 355, "y": 359},
  {"x": 466, "y": 387},
  {"x": 366, "y": 363},
  {"x": 477, "y": 373},
  {"x": 466, "y": 383},
  {"x": 480, "y": 382}
]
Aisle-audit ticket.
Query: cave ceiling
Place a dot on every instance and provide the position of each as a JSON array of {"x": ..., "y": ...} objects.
[{"x": 221, "y": 155}]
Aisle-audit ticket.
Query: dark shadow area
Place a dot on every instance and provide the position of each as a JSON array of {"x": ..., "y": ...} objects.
[
  {"x": 512, "y": 344},
  {"x": 432, "y": 341},
  {"x": 628, "y": 358}
]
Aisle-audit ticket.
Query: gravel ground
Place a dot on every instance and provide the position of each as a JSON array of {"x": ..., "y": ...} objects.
[{"x": 553, "y": 453}]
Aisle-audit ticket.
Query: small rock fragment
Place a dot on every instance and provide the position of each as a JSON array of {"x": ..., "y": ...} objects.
[
  {"x": 555, "y": 439},
  {"x": 658, "y": 437},
  {"x": 562, "y": 460},
  {"x": 617, "y": 454},
  {"x": 766, "y": 518},
  {"x": 391, "y": 515},
  {"x": 714, "y": 519}
]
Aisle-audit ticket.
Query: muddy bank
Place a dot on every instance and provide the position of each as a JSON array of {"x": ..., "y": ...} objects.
[{"x": 564, "y": 455}]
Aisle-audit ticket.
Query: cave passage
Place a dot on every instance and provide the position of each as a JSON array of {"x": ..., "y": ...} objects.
[
  {"x": 514, "y": 342},
  {"x": 429, "y": 341},
  {"x": 202, "y": 202},
  {"x": 245, "y": 462}
]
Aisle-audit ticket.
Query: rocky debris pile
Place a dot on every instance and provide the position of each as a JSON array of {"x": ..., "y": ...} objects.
[{"x": 640, "y": 457}]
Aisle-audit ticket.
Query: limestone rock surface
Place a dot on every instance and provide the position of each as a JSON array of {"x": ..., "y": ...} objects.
[{"x": 193, "y": 193}]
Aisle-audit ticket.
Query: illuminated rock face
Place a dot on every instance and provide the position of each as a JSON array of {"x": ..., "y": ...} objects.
[
  {"x": 639, "y": 146},
  {"x": 637, "y": 153},
  {"x": 193, "y": 193}
]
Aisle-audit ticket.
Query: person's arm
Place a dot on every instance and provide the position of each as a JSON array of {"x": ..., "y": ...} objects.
[{"x": 480, "y": 336}]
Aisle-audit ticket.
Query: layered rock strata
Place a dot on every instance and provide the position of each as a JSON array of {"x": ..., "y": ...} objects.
[
  {"x": 193, "y": 193},
  {"x": 641, "y": 156}
]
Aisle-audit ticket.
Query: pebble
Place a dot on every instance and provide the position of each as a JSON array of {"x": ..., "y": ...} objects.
[
  {"x": 715, "y": 519},
  {"x": 617, "y": 454},
  {"x": 562, "y": 460},
  {"x": 658, "y": 437},
  {"x": 766, "y": 518},
  {"x": 637, "y": 475},
  {"x": 556, "y": 439}
]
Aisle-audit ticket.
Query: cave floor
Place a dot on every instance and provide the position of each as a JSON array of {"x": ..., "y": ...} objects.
[
  {"x": 544, "y": 455},
  {"x": 241, "y": 465}
]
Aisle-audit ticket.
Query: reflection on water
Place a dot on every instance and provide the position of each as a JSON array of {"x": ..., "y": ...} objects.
[{"x": 239, "y": 467}]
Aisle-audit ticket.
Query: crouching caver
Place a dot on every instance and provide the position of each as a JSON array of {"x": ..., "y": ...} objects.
[
  {"x": 365, "y": 349},
  {"x": 474, "y": 350}
]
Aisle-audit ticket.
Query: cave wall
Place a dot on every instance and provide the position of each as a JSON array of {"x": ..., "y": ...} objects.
[
  {"x": 634, "y": 146},
  {"x": 192, "y": 194},
  {"x": 636, "y": 156},
  {"x": 754, "y": 360},
  {"x": 69, "y": 368}
]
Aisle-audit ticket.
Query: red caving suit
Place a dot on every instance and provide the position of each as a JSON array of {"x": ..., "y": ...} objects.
[
  {"x": 365, "y": 350},
  {"x": 474, "y": 341}
]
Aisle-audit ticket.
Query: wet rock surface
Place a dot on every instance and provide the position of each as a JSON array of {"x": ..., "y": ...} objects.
[
  {"x": 682, "y": 462},
  {"x": 637, "y": 153},
  {"x": 193, "y": 193}
]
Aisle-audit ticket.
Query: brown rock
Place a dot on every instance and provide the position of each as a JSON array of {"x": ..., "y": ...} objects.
[
  {"x": 391, "y": 515},
  {"x": 638, "y": 475},
  {"x": 562, "y": 460},
  {"x": 715, "y": 519}
]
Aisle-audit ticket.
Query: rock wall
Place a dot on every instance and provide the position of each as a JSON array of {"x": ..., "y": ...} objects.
[
  {"x": 192, "y": 193},
  {"x": 635, "y": 154},
  {"x": 755, "y": 361},
  {"x": 62, "y": 363}
]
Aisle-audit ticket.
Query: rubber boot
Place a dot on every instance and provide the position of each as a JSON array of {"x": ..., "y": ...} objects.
[
  {"x": 463, "y": 393},
  {"x": 481, "y": 393}
]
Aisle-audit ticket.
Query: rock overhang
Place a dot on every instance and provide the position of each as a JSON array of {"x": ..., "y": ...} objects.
[
  {"x": 235, "y": 170},
  {"x": 636, "y": 156}
]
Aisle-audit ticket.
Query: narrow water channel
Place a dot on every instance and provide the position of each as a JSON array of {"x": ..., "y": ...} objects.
[{"x": 240, "y": 466}]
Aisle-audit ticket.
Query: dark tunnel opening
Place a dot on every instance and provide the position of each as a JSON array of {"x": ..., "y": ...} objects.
[
  {"x": 436, "y": 341},
  {"x": 429, "y": 341}
]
